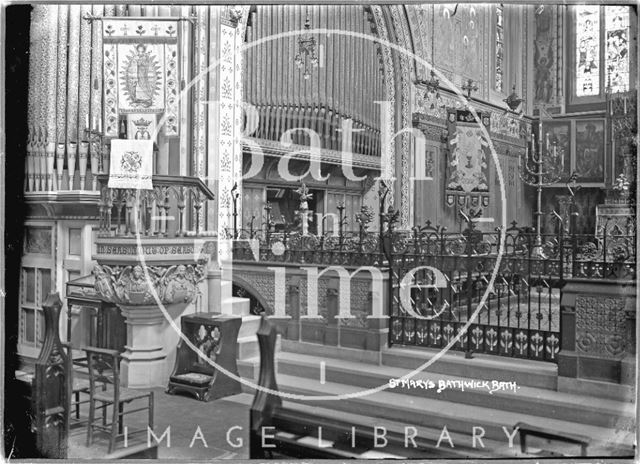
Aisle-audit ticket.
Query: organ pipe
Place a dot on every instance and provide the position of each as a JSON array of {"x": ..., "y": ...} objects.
[{"x": 344, "y": 85}]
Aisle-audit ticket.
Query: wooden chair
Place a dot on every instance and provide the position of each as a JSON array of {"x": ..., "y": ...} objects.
[
  {"x": 104, "y": 380},
  {"x": 77, "y": 387}
]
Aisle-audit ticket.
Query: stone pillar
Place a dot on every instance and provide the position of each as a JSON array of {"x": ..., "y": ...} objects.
[
  {"x": 143, "y": 361},
  {"x": 214, "y": 290},
  {"x": 596, "y": 340}
]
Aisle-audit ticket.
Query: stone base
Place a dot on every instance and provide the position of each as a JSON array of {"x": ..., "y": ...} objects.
[
  {"x": 143, "y": 370},
  {"x": 374, "y": 336},
  {"x": 582, "y": 366}
]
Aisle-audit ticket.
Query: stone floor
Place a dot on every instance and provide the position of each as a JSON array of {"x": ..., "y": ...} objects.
[{"x": 180, "y": 415}]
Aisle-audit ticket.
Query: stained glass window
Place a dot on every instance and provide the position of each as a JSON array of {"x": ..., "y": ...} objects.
[
  {"x": 587, "y": 50},
  {"x": 617, "y": 48},
  {"x": 499, "y": 82}
]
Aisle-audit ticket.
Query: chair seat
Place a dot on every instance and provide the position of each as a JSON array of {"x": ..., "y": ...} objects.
[
  {"x": 192, "y": 378},
  {"x": 81, "y": 385},
  {"x": 126, "y": 394}
]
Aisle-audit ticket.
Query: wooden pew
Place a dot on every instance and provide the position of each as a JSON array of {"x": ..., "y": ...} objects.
[
  {"x": 527, "y": 430},
  {"x": 293, "y": 432},
  {"x": 50, "y": 387}
]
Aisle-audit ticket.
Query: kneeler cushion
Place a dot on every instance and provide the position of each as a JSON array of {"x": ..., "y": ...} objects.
[{"x": 192, "y": 378}]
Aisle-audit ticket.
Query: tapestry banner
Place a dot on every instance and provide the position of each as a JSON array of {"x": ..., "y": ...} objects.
[
  {"x": 140, "y": 70},
  {"x": 467, "y": 178},
  {"x": 131, "y": 164}
]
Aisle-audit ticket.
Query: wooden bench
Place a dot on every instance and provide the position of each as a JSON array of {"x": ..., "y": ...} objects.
[
  {"x": 295, "y": 432},
  {"x": 526, "y": 430}
]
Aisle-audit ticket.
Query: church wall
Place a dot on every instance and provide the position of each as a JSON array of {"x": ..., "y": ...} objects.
[{"x": 459, "y": 42}]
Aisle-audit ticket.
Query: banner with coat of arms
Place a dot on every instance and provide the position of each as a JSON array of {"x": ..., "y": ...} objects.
[
  {"x": 467, "y": 178},
  {"x": 141, "y": 66},
  {"x": 131, "y": 164}
]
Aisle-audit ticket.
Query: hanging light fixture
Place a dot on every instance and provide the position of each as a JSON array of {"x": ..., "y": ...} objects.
[
  {"x": 306, "y": 50},
  {"x": 432, "y": 93}
]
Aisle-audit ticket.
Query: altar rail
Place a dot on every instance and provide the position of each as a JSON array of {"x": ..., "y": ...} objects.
[
  {"x": 504, "y": 286},
  {"x": 609, "y": 255},
  {"x": 173, "y": 208}
]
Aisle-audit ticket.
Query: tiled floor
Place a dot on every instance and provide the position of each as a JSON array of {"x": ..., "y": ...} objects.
[{"x": 180, "y": 415}]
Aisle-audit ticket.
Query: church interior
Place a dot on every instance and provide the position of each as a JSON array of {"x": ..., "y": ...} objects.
[{"x": 320, "y": 231}]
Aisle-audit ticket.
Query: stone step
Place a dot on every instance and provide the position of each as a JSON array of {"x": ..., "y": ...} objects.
[
  {"x": 425, "y": 436},
  {"x": 249, "y": 327},
  {"x": 485, "y": 367},
  {"x": 481, "y": 366},
  {"x": 525, "y": 400},
  {"x": 248, "y": 347},
  {"x": 436, "y": 414},
  {"x": 236, "y": 306},
  {"x": 249, "y": 369}
]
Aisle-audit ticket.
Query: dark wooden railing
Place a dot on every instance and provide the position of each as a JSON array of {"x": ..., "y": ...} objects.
[{"x": 173, "y": 208}]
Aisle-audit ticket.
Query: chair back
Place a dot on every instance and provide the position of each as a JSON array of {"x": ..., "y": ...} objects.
[{"x": 104, "y": 369}]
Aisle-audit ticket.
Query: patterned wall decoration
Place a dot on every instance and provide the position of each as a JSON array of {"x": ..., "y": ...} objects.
[
  {"x": 73, "y": 79},
  {"x": 141, "y": 70},
  {"x": 601, "y": 326},
  {"x": 97, "y": 70},
  {"x": 51, "y": 74},
  {"x": 61, "y": 84},
  {"x": 229, "y": 131},
  {"x": 406, "y": 60},
  {"x": 388, "y": 153},
  {"x": 200, "y": 92},
  {"x": 238, "y": 13},
  {"x": 84, "y": 78}
]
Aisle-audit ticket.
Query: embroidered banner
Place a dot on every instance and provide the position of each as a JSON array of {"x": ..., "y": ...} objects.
[
  {"x": 131, "y": 164},
  {"x": 140, "y": 70},
  {"x": 467, "y": 179}
]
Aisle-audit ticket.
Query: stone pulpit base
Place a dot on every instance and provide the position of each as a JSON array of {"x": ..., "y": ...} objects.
[{"x": 144, "y": 361}]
